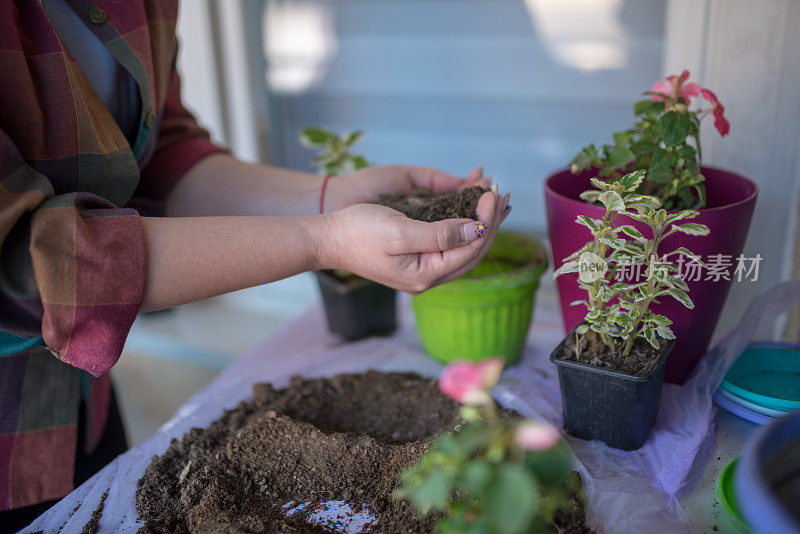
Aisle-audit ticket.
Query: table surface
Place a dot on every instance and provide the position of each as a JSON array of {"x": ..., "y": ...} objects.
[{"x": 699, "y": 503}]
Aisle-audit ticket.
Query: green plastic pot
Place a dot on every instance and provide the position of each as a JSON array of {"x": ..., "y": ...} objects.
[{"x": 487, "y": 312}]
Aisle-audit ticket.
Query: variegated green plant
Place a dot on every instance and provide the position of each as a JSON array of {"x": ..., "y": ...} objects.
[
  {"x": 619, "y": 311},
  {"x": 334, "y": 156}
]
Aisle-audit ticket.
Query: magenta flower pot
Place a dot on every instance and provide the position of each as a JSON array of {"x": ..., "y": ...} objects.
[{"x": 728, "y": 211}]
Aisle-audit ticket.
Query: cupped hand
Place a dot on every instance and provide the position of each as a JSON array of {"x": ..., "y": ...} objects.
[
  {"x": 384, "y": 245},
  {"x": 367, "y": 184}
]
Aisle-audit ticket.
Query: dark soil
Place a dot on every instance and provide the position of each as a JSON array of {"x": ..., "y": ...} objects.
[
  {"x": 342, "y": 438},
  {"x": 425, "y": 205},
  {"x": 641, "y": 360},
  {"x": 571, "y": 520},
  {"x": 94, "y": 523}
]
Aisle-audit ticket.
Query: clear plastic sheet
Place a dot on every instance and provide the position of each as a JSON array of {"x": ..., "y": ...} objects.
[{"x": 627, "y": 491}]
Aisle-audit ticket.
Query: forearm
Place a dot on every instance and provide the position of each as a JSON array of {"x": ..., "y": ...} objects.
[
  {"x": 192, "y": 258},
  {"x": 222, "y": 185}
]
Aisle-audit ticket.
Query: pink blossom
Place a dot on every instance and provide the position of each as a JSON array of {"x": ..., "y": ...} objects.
[
  {"x": 674, "y": 88},
  {"x": 535, "y": 436},
  {"x": 720, "y": 122},
  {"x": 469, "y": 382}
]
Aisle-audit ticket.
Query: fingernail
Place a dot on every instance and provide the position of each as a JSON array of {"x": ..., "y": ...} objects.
[{"x": 472, "y": 231}]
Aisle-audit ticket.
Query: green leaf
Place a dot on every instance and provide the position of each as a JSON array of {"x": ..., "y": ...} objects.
[
  {"x": 475, "y": 476},
  {"x": 646, "y": 217},
  {"x": 678, "y": 282},
  {"x": 660, "y": 170},
  {"x": 665, "y": 332},
  {"x": 613, "y": 242},
  {"x": 632, "y": 180},
  {"x": 618, "y": 157},
  {"x": 649, "y": 108},
  {"x": 360, "y": 162},
  {"x": 512, "y": 499},
  {"x": 585, "y": 158},
  {"x": 689, "y": 152},
  {"x": 685, "y": 214},
  {"x": 650, "y": 336},
  {"x": 590, "y": 196},
  {"x": 612, "y": 201},
  {"x": 680, "y": 295},
  {"x": 700, "y": 189},
  {"x": 641, "y": 106},
  {"x": 622, "y": 138},
  {"x": 314, "y": 136},
  {"x": 432, "y": 492},
  {"x": 688, "y": 253},
  {"x": 660, "y": 218},
  {"x": 655, "y": 109},
  {"x": 577, "y": 253},
  {"x": 600, "y": 184},
  {"x": 590, "y": 223},
  {"x": 353, "y": 137},
  {"x": 661, "y": 320},
  {"x": 674, "y": 127},
  {"x": 630, "y": 231},
  {"x": 691, "y": 228},
  {"x": 642, "y": 146},
  {"x": 552, "y": 466},
  {"x": 567, "y": 268},
  {"x": 643, "y": 201}
]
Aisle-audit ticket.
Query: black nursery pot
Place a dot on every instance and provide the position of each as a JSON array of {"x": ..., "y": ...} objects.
[
  {"x": 609, "y": 405},
  {"x": 358, "y": 307}
]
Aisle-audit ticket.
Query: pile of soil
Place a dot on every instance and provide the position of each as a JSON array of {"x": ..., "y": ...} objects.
[
  {"x": 592, "y": 351},
  {"x": 343, "y": 438},
  {"x": 425, "y": 205}
]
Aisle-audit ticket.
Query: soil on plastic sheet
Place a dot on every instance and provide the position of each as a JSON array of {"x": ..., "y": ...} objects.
[
  {"x": 425, "y": 205},
  {"x": 93, "y": 525},
  {"x": 592, "y": 351},
  {"x": 345, "y": 438}
]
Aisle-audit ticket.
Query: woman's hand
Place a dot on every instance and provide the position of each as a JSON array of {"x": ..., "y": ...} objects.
[
  {"x": 384, "y": 245},
  {"x": 367, "y": 184}
]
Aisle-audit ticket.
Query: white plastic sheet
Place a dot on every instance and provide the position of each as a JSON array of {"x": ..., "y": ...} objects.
[{"x": 627, "y": 491}]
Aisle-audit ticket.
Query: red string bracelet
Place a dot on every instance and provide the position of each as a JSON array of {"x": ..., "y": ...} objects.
[{"x": 322, "y": 194}]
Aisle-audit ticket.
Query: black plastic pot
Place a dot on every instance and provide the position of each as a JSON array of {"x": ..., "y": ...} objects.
[
  {"x": 357, "y": 307},
  {"x": 608, "y": 405}
]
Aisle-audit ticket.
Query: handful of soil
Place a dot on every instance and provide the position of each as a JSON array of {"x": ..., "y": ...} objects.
[{"x": 425, "y": 205}]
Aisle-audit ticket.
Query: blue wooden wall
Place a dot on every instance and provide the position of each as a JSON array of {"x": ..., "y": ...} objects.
[{"x": 455, "y": 83}]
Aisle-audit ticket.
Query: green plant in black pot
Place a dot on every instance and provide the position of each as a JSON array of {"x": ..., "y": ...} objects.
[
  {"x": 354, "y": 306},
  {"x": 611, "y": 366},
  {"x": 665, "y": 141}
]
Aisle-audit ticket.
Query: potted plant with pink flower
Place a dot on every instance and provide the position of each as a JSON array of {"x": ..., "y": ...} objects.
[
  {"x": 494, "y": 474},
  {"x": 665, "y": 142}
]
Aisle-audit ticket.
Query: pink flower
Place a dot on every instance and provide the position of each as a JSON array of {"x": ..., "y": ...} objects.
[
  {"x": 469, "y": 382},
  {"x": 675, "y": 88},
  {"x": 720, "y": 122},
  {"x": 535, "y": 436}
]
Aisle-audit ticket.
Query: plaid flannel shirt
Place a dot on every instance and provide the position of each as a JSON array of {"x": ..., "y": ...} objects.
[{"x": 72, "y": 248}]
